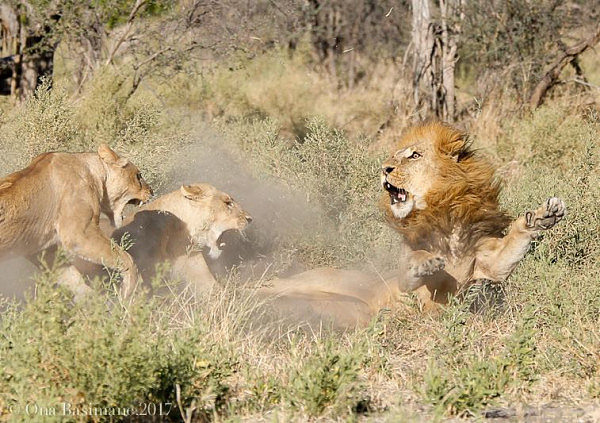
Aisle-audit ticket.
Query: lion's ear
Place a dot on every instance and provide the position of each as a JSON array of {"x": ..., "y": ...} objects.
[
  {"x": 110, "y": 157},
  {"x": 192, "y": 192},
  {"x": 453, "y": 144}
]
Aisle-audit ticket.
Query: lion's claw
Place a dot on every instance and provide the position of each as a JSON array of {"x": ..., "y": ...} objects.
[
  {"x": 428, "y": 267},
  {"x": 547, "y": 215}
]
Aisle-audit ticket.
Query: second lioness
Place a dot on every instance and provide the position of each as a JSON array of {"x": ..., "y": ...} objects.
[{"x": 174, "y": 227}]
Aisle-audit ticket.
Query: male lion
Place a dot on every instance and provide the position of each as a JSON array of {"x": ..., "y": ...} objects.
[
  {"x": 58, "y": 199},
  {"x": 443, "y": 198},
  {"x": 173, "y": 226}
]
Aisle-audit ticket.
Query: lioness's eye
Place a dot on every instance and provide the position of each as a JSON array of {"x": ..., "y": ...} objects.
[
  {"x": 414, "y": 155},
  {"x": 229, "y": 203}
]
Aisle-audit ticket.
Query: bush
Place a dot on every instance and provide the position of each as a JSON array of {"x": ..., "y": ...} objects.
[
  {"x": 45, "y": 122},
  {"x": 279, "y": 86},
  {"x": 51, "y": 121},
  {"x": 462, "y": 381},
  {"x": 88, "y": 356},
  {"x": 327, "y": 379},
  {"x": 340, "y": 179}
]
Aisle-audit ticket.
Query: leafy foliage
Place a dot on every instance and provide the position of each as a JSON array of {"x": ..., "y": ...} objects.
[{"x": 327, "y": 378}]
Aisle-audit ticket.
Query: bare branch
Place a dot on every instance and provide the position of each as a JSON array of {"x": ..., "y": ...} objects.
[
  {"x": 551, "y": 77},
  {"x": 151, "y": 58},
  {"x": 137, "y": 7}
]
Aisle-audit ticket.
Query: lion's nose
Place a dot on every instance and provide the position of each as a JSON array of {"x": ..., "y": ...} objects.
[
  {"x": 249, "y": 218},
  {"x": 388, "y": 169}
]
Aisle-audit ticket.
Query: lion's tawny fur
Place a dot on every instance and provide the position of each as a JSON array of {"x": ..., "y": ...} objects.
[
  {"x": 463, "y": 197},
  {"x": 456, "y": 214},
  {"x": 174, "y": 227},
  {"x": 58, "y": 199},
  {"x": 443, "y": 199}
]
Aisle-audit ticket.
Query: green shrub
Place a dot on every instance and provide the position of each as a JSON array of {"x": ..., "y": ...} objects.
[
  {"x": 328, "y": 378},
  {"x": 76, "y": 357},
  {"x": 52, "y": 121},
  {"x": 45, "y": 122},
  {"x": 460, "y": 380}
]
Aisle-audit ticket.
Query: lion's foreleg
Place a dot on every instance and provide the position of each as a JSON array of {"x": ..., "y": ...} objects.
[
  {"x": 71, "y": 278},
  {"x": 419, "y": 265},
  {"x": 497, "y": 257},
  {"x": 195, "y": 271},
  {"x": 92, "y": 245}
]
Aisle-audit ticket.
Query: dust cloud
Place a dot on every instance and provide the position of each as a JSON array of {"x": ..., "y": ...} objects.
[
  {"x": 278, "y": 212},
  {"x": 16, "y": 277}
]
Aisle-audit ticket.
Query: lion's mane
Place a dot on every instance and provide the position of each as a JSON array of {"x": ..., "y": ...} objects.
[{"x": 464, "y": 196}]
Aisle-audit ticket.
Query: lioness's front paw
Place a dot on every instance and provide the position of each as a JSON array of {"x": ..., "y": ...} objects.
[
  {"x": 548, "y": 215},
  {"x": 427, "y": 267}
]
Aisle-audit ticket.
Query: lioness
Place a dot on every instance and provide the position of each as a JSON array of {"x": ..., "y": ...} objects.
[
  {"x": 172, "y": 228},
  {"x": 58, "y": 199},
  {"x": 443, "y": 198}
]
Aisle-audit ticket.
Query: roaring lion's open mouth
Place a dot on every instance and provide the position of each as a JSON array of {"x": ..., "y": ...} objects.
[
  {"x": 397, "y": 195},
  {"x": 136, "y": 202},
  {"x": 220, "y": 244}
]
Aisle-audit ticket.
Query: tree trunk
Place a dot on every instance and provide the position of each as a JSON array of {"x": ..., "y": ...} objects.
[
  {"x": 29, "y": 56},
  {"x": 423, "y": 45},
  {"x": 449, "y": 47},
  {"x": 435, "y": 46}
]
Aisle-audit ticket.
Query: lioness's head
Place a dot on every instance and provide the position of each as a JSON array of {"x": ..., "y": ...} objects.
[
  {"x": 208, "y": 213},
  {"x": 124, "y": 184},
  {"x": 422, "y": 154}
]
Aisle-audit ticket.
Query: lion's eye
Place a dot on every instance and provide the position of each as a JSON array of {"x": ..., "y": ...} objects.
[
  {"x": 229, "y": 203},
  {"x": 414, "y": 155}
]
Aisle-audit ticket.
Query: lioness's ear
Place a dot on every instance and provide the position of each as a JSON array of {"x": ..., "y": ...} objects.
[
  {"x": 192, "y": 192},
  {"x": 110, "y": 157}
]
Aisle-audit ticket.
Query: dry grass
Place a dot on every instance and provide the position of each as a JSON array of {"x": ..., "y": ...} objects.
[
  {"x": 213, "y": 361},
  {"x": 288, "y": 89}
]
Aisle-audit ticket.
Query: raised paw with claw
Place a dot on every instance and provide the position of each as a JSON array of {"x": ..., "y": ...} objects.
[
  {"x": 427, "y": 267},
  {"x": 548, "y": 215}
]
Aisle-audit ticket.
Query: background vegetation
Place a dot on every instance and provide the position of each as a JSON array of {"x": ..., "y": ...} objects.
[{"x": 260, "y": 89}]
